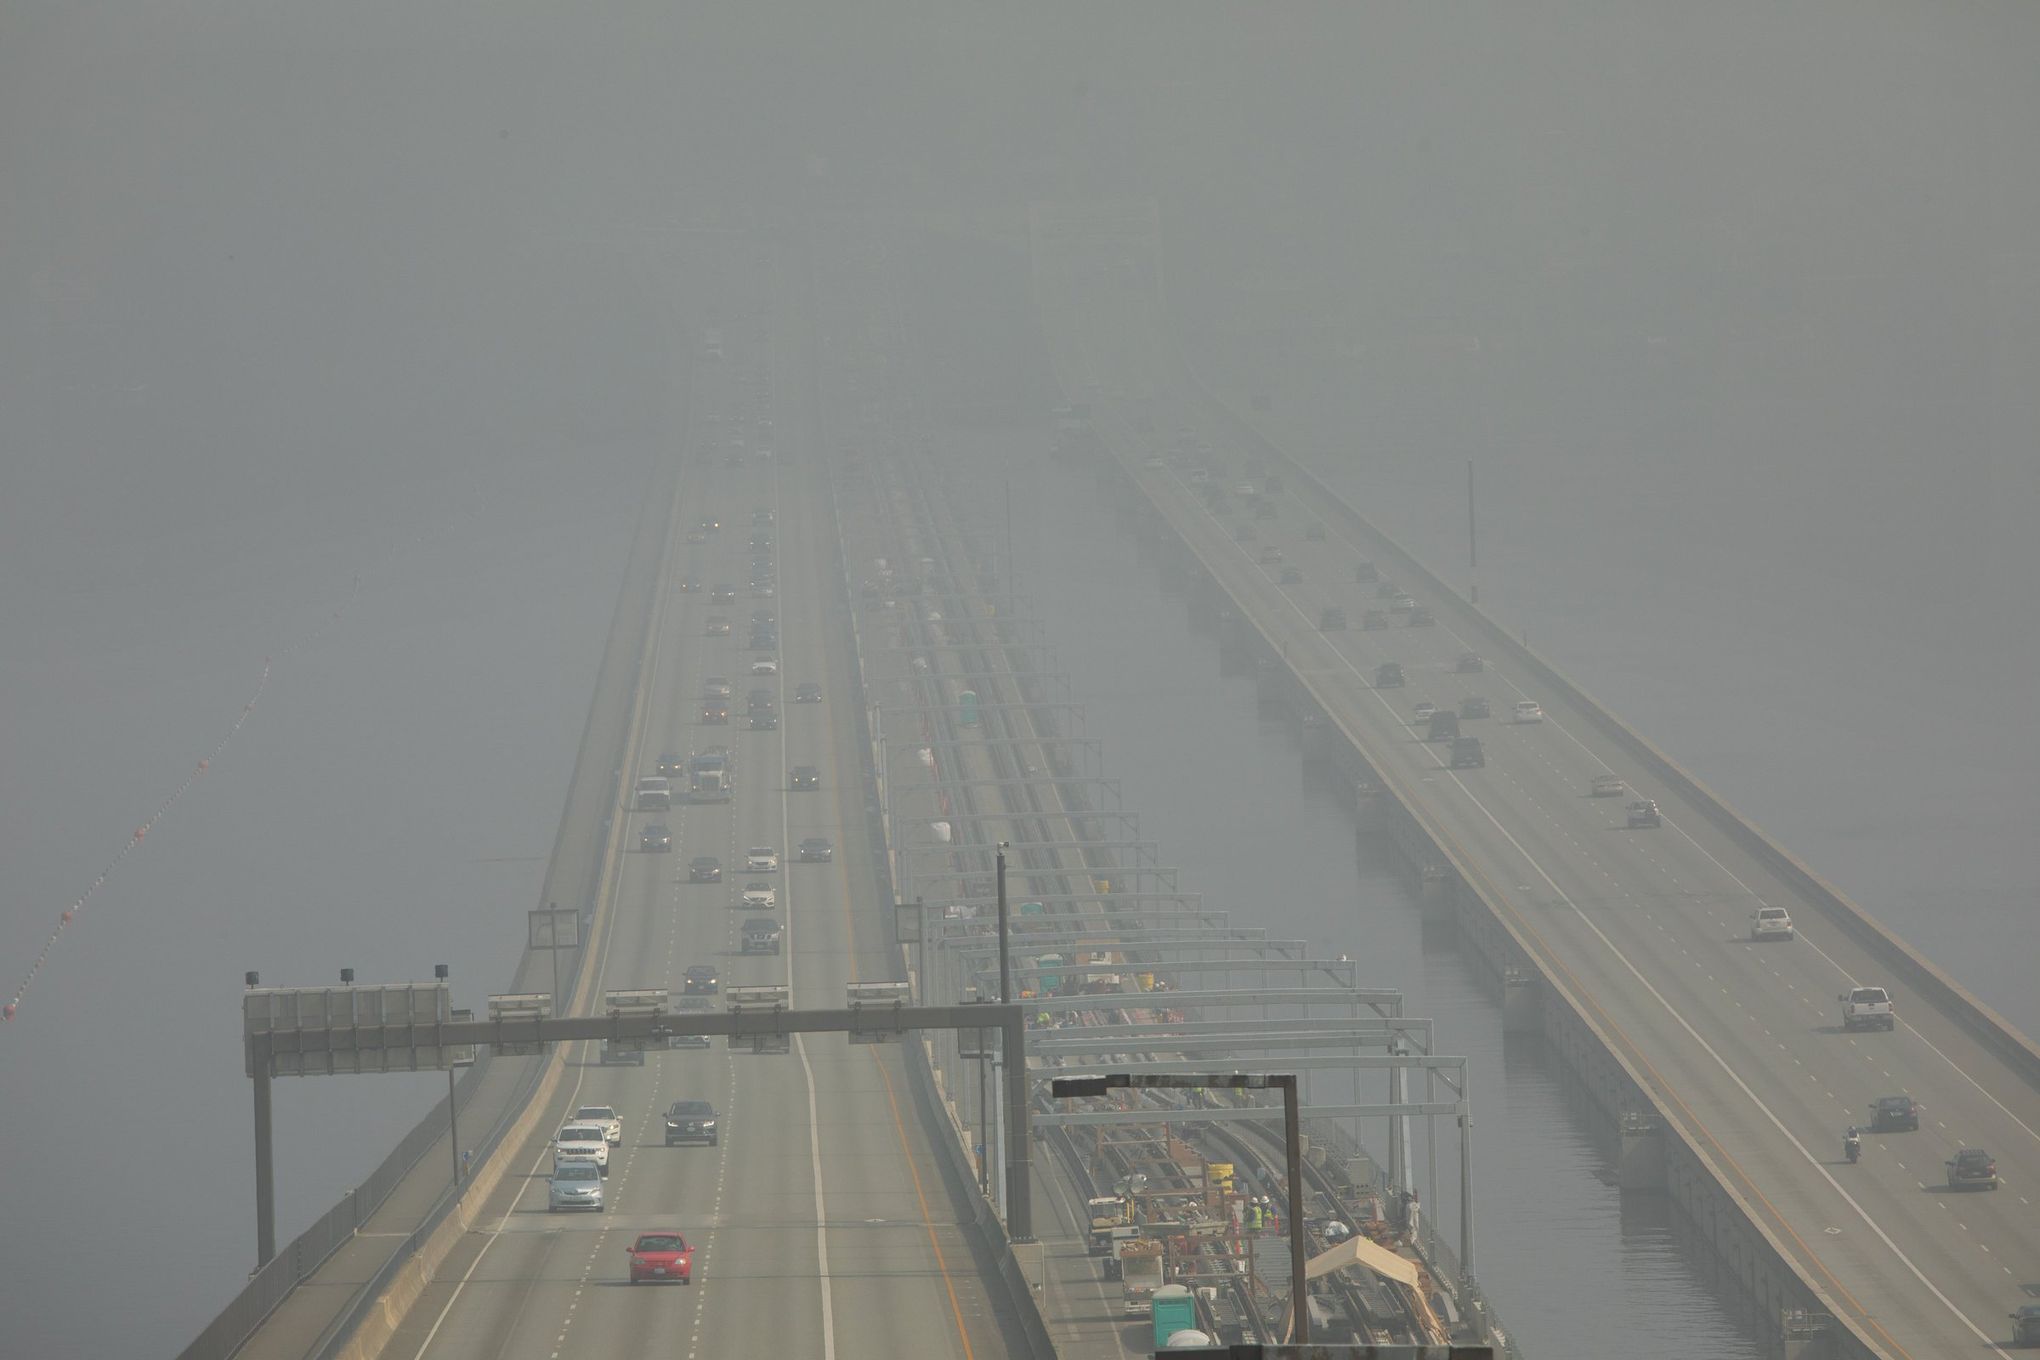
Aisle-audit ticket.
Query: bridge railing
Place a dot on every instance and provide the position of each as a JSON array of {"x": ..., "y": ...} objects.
[
  {"x": 1989, "y": 1028},
  {"x": 957, "y": 1164},
  {"x": 270, "y": 1285},
  {"x": 571, "y": 874}
]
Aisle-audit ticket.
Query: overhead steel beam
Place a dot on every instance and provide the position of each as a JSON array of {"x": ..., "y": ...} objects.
[
  {"x": 1214, "y": 939},
  {"x": 1260, "y": 965},
  {"x": 1159, "y": 871},
  {"x": 1320, "y": 1026},
  {"x": 264, "y": 1046},
  {"x": 1190, "y": 903},
  {"x": 1215, "y": 1044},
  {"x": 958, "y": 647},
  {"x": 1014, "y": 781},
  {"x": 1248, "y": 1115},
  {"x": 1370, "y": 1061},
  {"x": 1052, "y": 739},
  {"x": 947, "y": 847},
  {"x": 1174, "y": 999},
  {"x": 987, "y": 706}
]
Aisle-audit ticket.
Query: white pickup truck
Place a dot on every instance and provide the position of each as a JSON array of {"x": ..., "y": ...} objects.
[{"x": 1868, "y": 1008}]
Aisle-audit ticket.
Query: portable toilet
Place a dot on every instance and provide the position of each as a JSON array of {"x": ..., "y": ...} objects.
[{"x": 1175, "y": 1310}]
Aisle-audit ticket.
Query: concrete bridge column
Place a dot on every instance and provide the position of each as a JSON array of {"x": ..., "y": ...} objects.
[
  {"x": 1641, "y": 1162},
  {"x": 1521, "y": 1001},
  {"x": 1808, "y": 1335}
]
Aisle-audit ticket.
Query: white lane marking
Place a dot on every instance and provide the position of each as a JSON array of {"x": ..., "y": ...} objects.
[
  {"x": 1603, "y": 767},
  {"x": 800, "y": 1041},
  {"x": 601, "y": 972},
  {"x": 1669, "y": 1009}
]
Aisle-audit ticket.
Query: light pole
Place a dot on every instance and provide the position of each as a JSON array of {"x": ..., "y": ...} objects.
[
  {"x": 553, "y": 928},
  {"x": 1005, "y": 997},
  {"x": 1005, "y": 961},
  {"x": 440, "y": 971},
  {"x": 265, "y": 1149},
  {"x": 1292, "y": 1147}
]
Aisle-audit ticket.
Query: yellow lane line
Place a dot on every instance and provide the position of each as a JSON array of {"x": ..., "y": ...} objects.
[{"x": 941, "y": 1262}]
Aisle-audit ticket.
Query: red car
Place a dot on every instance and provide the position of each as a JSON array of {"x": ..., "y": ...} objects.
[{"x": 661, "y": 1256}]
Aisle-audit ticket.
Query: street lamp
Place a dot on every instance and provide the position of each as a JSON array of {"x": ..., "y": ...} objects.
[
  {"x": 1292, "y": 1141},
  {"x": 441, "y": 971},
  {"x": 1005, "y": 963},
  {"x": 1005, "y": 990}
]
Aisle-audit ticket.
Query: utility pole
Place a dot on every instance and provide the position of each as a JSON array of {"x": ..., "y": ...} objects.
[
  {"x": 440, "y": 970},
  {"x": 1292, "y": 1142},
  {"x": 1005, "y": 998},
  {"x": 559, "y": 1008},
  {"x": 265, "y": 1160},
  {"x": 1472, "y": 543},
  {"x": 1005, "y": 959}
]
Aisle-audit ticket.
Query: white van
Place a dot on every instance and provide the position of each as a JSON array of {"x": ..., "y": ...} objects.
[{"x": 654, "y": 793}]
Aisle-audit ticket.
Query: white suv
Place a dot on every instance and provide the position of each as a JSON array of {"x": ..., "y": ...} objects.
[
  {"x": 612, "y": 1126},
  {"x": 1770, "y": 923},
  {"x": 582, "y": 1143},
  {"x": 1529, "y": 710}
]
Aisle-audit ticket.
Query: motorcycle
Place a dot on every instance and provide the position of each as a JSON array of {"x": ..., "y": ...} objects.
[{"x": 1852, "y": 1146}]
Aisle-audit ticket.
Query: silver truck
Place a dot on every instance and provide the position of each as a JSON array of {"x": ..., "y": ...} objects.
[{"x": 1868, "y": 1008}]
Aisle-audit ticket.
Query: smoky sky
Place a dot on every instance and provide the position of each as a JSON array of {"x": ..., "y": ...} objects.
[{"x": 344, "y": 338}]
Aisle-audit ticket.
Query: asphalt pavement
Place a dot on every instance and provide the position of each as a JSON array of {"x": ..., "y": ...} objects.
[
  {"x": 821, "y": 1223},
  {"x": 1649, "y": 927}
]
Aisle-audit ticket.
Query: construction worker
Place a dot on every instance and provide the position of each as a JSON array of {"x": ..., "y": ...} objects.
[{"x": 1254, "y": 1216}]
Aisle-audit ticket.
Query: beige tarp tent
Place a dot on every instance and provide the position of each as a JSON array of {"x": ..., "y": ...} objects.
[{"x": 1358, "y": 1251}]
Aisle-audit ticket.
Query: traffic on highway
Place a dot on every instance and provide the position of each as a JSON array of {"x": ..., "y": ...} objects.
[{"x": 1765, "y": 1029}]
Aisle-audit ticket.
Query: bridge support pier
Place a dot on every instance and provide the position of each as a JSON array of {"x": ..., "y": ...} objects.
[
  {"x": 1521, "y": 1005},
  {"x": 1808, "y": 1335},
  {"x": 265, "y": 1161},
  {"x": 1640, "y": 1165}
]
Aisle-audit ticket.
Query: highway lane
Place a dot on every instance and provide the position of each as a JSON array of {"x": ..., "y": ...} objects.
[
  {"x": 825, "y": 1156},
  {"x": 1760, "y": 1071}
]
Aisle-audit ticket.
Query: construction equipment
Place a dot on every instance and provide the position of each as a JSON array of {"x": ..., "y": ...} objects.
[
  {"x": 1111, "y": 1221},
  {"x": 1140, "y": 1274}
]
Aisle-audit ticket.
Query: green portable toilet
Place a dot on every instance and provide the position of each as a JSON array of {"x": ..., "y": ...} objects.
[{"x": 1175, "y": 1311}]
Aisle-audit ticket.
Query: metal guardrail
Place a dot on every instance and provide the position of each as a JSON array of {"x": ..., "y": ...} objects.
[
  {"x": 956, "y": 1160},
  {"x": 270, "y": 1285},
  {"x": 1992, "y": 1030}
]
